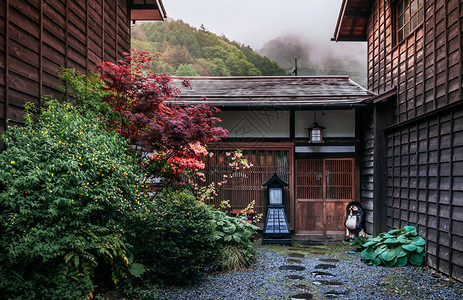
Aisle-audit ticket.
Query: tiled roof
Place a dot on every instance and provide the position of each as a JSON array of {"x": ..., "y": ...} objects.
[{"x": 278, "y": 92}]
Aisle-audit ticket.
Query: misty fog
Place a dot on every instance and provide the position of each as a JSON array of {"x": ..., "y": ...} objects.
[{"x": 318, "y": 57}]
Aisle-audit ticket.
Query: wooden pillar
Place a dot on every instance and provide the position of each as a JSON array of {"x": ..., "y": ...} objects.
[
  {"x": 6, "y": 103},
  {"x": 383, "y": 116},
  {"x": 292, "y": 125}
]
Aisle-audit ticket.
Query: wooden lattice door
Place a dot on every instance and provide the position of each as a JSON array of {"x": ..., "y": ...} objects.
[{"x": 324, "y": 187}]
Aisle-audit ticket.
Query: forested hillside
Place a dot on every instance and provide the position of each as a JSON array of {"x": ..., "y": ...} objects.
[{"x": 188, "y": 51}]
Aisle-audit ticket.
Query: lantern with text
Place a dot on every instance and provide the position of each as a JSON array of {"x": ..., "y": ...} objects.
[{"x": 276, "y": 229}]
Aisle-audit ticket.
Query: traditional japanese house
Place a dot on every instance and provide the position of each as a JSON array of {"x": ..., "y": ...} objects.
[
  {"x": 412, "y": 148},
  {"x": 37, "y": 37},
  {"x": 268, "y": 119}
]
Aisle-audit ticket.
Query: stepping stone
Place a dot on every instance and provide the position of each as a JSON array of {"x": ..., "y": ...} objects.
[
  {"x": 305, "y": 296},
  {"x": 317, "y": 274},
  {"x": 332, "y": 260},
  {"x": 325, "y": 266},
  {"x": 317, "y": 252},
  {"x": 335, "y": 294},
  {"x": 292, "y": 268},
  {"x": 302, "y": 287},
  {"x": 296, "y": 255},
  {"x": 298, "y": 277},
  {"x": 327, "y": 282},
  {"x": 293, "y": 261}
]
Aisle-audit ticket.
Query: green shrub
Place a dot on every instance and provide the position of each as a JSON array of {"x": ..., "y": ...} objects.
[
  {"x": 395, "y": 248},
  {"x": 358, "y": 242},
  {"x": 233, "y": 239},
  {"x": 234, "y": 257},
  {"x": 66, "y": 188},
  {"x": 176, "y": 239}
]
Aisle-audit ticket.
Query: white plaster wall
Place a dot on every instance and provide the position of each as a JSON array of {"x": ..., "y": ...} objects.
[
  {"x": 324, "y": 149},
  {"x": 338, "y": 123},
  {"x": 258, "y": 124}
]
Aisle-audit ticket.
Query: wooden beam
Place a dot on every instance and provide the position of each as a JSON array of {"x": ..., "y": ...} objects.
[
  {"x": 383, "y": 115},
  {"x": 330, "y": 141},
  {"x": 292, "y": 124}
]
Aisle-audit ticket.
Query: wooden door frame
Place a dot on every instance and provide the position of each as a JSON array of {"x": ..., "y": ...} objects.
[{"x": 324, "y": 160}]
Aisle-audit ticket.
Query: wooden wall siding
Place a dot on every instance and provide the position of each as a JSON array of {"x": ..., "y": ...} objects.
[
  {"x": 366, "y": 172},
  {"x": 426, "y": 67},
  {"x": 246, "y": 185},
  {"x": 37, "y": 37},
  {"x": 425, "y": 186}
]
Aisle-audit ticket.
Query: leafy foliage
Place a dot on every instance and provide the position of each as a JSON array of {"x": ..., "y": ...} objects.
[
  {"x": 172, "y": 133},
  {"x": 394, "y": 248},
  {"x": 210, "y": 55},
  {"x": 176, "y": 238},
  {"x": 68, "y": 186},
  {"x": 233, "y": 238},
  {"x": 358, "y": 242}
]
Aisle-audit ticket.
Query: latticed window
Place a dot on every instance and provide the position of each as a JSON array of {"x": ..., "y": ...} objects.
[
  {"x": 409, "y": 14},
  {"x": 246, "y": 185}
]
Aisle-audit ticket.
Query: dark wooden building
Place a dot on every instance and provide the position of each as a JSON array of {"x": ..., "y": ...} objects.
[
  {"x": 412, "y": 149},
  {"x": 268, "y": 119},
  {"x": 37, "y": 37}
]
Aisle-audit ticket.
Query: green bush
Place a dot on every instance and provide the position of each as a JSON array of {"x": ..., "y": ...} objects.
[
  {"x": 67, "y": 187},
  {"x": 233, "y": 239},
  {"x": 176, "y": 239},
  {"x": 395, "y": 248}
]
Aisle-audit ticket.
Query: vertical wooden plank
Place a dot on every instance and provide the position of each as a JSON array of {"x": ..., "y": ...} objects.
[
  {"x": 435, "y": 58},
  {"x": 382, "y": 117},
  {"x": 427, "y": 194},
  {"x": 41, "y": 4},
  {"x": 292, "y": 124},
  {"x": 66, "y": 39},
  {"x": 103, "y": 34},
  {"x": 460, "y": 42},
  {"x": 116, "y": 33},
  {"x": 87, "y": 38},
  {"x": 438, "y": 215},
  {"x": 324, "y": 196},
  {"x": 7, "y": 65}
]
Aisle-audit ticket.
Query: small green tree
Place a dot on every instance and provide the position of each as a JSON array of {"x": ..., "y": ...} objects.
[{"x": 186, "y": 70}]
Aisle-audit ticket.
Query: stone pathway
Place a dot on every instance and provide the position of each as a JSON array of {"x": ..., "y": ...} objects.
[
  {"x": 324, "y": 271},
  {"x": 321, "y": 278}
]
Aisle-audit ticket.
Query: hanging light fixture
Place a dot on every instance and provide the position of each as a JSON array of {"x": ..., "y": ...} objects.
[{"x": 315, "y": 131}]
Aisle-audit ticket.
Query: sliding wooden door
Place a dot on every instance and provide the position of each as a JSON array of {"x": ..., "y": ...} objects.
[{"x": 324, "y": 187}]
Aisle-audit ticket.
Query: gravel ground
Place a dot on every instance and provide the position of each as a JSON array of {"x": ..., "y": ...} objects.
[{"x": 331, "y": 271}]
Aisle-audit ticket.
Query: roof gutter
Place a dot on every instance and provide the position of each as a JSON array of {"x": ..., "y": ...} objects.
[{"x": 274, "y": 107}]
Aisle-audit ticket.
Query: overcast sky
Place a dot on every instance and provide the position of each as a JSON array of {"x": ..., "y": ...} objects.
[{"x": 254, "y": 22}]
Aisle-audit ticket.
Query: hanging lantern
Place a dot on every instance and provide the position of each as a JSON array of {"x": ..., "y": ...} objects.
[{"x": 316, "y": 131}]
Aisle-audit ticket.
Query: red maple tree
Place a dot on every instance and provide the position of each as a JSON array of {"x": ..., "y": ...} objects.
[{"x": 173, "y": 135}]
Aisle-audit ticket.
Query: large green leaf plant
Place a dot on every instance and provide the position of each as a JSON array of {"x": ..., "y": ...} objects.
[{"x": 394, "y": 248}]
